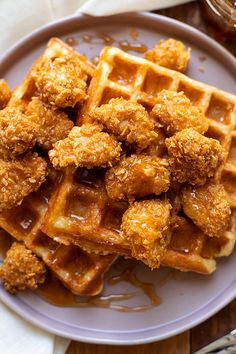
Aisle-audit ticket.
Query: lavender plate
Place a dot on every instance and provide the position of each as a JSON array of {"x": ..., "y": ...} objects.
[{"x": 186, "y": 299}]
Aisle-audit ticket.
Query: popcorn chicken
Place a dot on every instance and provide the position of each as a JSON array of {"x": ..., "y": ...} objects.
[
  {"x": 21, "y": 269},
  {"x": 86, "y": 146},
  {"x": 17, "y": 132},
  {"x": 174, "y": 112},
  {"x": 53, "y": 123},
  {"x": 62, "y": 82},
  {"x": 19, "y": 177},
  {"x": 127, "y": 120},
  {"x": 145, "y": 225},
  {"x": 193, "y": 157},
  {"x": 169, "y": 53},
  {"x": 208, "y": 207},
  {"x": 137, "y": 176}
]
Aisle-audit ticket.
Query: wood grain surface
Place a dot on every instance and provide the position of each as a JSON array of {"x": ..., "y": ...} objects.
[{"x": 225, "y": 320}]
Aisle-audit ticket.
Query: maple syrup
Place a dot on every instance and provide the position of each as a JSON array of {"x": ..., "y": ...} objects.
[{"x": 56, "y": 293}]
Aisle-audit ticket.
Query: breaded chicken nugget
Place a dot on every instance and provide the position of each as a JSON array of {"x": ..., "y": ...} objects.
[
  {"x": 208, "y": 207},
  {"x": 137, "y": 176},
  {"x": 53, "y": 124},
  {"x": 86, "y": 146},
  {"x": 127, "y": 120},
  {"x": 17, "y": 132},
  {"x": 5, "y": 93},
  {"x": 174, "y": 112},
  {"x": 62, "y": 82},
  {"x": 145, "y": 225},
  {"x": 19, "y": 177},
  {"x": 21, "y": 269},
  {"x": 193, "y": 157},
  {"x": 169, "y": 53}
]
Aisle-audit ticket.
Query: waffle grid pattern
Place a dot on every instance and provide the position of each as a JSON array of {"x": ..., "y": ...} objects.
[
  {"x": 79, "y": 271},
  {"x": 122, "y": 75}
]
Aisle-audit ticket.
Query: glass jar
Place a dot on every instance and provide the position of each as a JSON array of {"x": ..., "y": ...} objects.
[{"x": 222, "y": 14}]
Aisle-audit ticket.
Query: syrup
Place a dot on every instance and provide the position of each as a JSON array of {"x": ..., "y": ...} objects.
[
  {"x": 5, "y": 242},
  {"x": 107, "y": 40},
  {"x": 55, "y": 293},
  {"x": 128, "y": 275},
  {"x": 136, "y": 47},
  {"x": 71, "y": 41}
]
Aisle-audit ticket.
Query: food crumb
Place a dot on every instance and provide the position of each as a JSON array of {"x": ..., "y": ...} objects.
[{"x": 202, "y": 57}]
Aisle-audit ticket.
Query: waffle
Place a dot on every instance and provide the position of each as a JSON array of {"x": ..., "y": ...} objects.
[
  {"x": 56, "y": 48},
  {"x": 81, "y": 213},
  {"x": 80, "y": 272},
  {"x": 91, "y": 220}
]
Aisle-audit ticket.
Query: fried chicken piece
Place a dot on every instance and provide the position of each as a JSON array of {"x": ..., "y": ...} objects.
[
  {"x": 127, "y": 120},
  {"x": 19, "y": 177},
  {"x": 193, "y": 157},
  {"x": 62, "y": 82},
  {"x": 208, "y": 207},
  {"x": 137, "y": 176},
  {"x": 17, "y": 132},
  {"x": 21, "y": 269},
  {"x": 5, "y": 93},
  {"x": 175, "y": 112},
  {"x": 53, "y": 124},
  {"x": 86, "y": 146},
  {"x": 158, "y": 146},
  {"x": 169, "y": 53},
  {"x": 145, "y": 225}
]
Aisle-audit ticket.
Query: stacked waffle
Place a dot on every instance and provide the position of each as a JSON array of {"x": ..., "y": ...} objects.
[{"x": 74, "y": 224}]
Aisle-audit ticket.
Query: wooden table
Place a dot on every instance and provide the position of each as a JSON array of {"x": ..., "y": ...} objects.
[{"x": 225, "y": 320}]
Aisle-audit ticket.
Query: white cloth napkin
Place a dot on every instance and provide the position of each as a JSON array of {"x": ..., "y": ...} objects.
[
  {"x": 20, "y": 337},
  {"x": 18, "y": 18}
]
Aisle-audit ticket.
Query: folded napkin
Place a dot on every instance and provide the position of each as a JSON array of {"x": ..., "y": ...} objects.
[
  {"x": 18, "y": 18},
  {"x": 19, "y": 336}
]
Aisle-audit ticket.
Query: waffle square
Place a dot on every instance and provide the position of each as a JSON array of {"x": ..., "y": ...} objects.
[{"x": 81, "y": 272}]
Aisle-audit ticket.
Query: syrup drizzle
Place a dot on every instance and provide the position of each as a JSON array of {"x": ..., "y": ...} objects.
[
  {"x": 105, "y": 39},
  {"x": 5, "y": 243},
  {"x": 55, "y": 293},
  {"x": 129, "y": 275},
  {"x": 136, "y": 47}
]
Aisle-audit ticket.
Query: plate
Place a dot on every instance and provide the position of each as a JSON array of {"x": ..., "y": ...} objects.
[{"x": 186, "y": 299}]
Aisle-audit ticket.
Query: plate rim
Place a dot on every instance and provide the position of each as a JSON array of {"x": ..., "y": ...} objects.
[{"x": 5, "y": 60}]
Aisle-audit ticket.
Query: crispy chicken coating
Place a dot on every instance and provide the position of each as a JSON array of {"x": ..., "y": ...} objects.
[
  {"x": 5, "y": 93},
  {"x": 53, "y": 124},
  {"x": 127, "y": 120},
  {"x": 169, "y": 53},
  {"x": 208, "y": 207},
  {"x": 19, "y": 177},
  {"x": 174, "y": 112},
  {"x": 21, "y": 269},
  {"x": 137, "y": 176},
  {"x": 193, "y": 157},
  {"x": 86, "y": 146},
  {"x": 145, "y": 225},
  {"x": 158, "y": 146},
  {"x": 62, "y": 82},
  {"x": 17, "y": 132}
]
